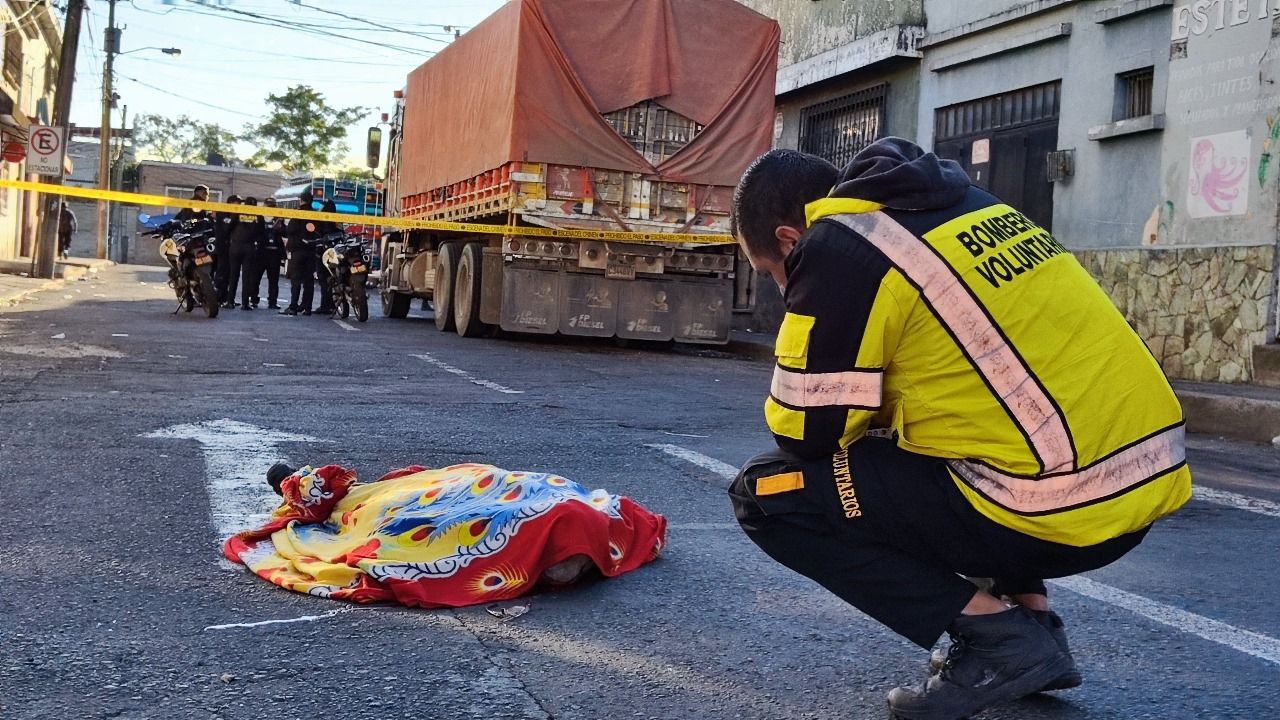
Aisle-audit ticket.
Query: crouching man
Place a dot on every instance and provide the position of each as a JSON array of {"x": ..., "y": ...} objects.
[{"x": 954, "y": 395}]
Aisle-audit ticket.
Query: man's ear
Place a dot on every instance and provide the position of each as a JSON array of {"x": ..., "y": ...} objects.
[{"x": 787, "y": 238}]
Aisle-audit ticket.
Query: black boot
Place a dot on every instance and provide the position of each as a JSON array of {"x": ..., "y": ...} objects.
[
  {"x": 993, "y": 659},
  {"x": 1051, "y": 622}
]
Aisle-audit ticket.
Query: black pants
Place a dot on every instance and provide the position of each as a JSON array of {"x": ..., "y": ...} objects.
[
  {"x": 302, "y": 279},
  {"x": 322, "y": 279},
  {"x": 892, "y": 535},
  {"x": 220, "y": 264},
  {"x": 239, "y": 267},
  {"x": 267, "y": 261}
]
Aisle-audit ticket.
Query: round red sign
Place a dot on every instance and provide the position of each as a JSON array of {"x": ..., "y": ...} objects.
[{"x": 15, "y": 152}]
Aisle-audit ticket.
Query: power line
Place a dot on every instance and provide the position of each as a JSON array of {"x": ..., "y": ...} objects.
[
  {"x": 191, "y": 99},
  {"x": 287, "y": 25},
  {"x": 366, "y": 21}
]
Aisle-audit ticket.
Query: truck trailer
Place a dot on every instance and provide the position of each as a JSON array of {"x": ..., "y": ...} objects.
[{"x": 591, "y": 148}]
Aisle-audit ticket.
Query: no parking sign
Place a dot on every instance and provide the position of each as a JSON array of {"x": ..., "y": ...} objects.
[{"x": 45, "y": 150}]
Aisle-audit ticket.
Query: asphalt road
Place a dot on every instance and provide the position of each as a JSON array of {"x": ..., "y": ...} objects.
[{"x": 110, "y": 580}]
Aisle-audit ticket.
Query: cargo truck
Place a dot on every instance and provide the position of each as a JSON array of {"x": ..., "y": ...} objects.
[{"x": 591, "y": 148}]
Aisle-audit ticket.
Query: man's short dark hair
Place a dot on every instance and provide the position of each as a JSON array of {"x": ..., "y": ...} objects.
[{"x": 773, "y": 191}]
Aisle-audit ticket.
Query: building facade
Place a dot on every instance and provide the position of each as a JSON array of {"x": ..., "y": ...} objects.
[
  {"x": 28, "y": 77},
  {"x": 1139, "y": 132},
  {"x": 848, "y": 73}
]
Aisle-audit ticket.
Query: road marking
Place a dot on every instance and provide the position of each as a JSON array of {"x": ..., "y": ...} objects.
[
  {"x": 273, "y": 365},
  {"x": 236, "y": 459},
  {"x": 683, "y": 435},
  {"x": 304, "y": 618},
  {"x": 119, "y": 334},
  {"x": 346, "y": 325},
  {"x": 66, "y": 351},
  {"x": 1246, "y": 641},
  {"x": 1236, "y": 500},
  {"x": 723, "y": 469},
  {"x": 427, "y": 357}
]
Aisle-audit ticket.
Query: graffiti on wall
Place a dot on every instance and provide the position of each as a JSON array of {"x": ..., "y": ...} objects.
[{"x": 1219, "y": 164}]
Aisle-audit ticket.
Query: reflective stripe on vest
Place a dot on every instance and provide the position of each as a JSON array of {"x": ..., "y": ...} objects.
[
  {"x": 1132, "y": 466},
  {"x": 1005, "y": 372},
  {"x": 858, "y": 388}
]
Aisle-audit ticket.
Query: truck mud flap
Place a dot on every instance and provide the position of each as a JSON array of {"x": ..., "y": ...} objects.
[
  {"x": 704, "y": 312},
  {"x": 531, "y": 300},
  {"x": 589, "y": 306},
  {"x": 645, "y": 310}
]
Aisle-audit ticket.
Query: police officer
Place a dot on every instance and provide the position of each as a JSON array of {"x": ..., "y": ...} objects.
[
  {"x": 954, "y": 395},
  {"x": 223, "y": 224},
  {"x": 200, "y": 194},
  {"x": 270, "y": 256},
  {"x": 325, "y": 228},
  {"x": 248, "y": 233},
  {"x": 302, "y": 236}
]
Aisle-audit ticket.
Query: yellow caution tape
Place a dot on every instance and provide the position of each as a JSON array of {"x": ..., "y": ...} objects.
[{"x": 369, "y": 220}]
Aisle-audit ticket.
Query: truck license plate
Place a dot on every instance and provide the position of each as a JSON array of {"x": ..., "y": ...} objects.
[{"x": 618, "y": 271}]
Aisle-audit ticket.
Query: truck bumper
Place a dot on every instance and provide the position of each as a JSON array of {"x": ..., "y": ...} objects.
[{"x": 680, "y": 308}]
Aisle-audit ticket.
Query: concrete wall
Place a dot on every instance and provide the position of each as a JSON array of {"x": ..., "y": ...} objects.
[
  {"x": 1101, "y": 205},
  {"x": 153, "y": 177},
  {"x": 901, "y": 101},
  {"x": 810, "y": 27}
]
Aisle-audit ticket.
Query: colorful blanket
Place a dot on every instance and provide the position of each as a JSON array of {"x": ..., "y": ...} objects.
[{"x": 450, "y": 537}]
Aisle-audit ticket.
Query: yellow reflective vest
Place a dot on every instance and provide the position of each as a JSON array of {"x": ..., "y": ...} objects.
[{"x": 976, "y": 337}]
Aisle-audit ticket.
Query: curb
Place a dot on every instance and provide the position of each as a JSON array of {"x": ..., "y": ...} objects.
[{"x": 16, "y": 297}]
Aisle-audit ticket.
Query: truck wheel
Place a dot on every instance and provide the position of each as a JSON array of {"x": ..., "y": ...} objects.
[
  {"x": 395, "y": 305},
  {"x": 466, "y": 299},
  {"x": 442, "y": 293}
]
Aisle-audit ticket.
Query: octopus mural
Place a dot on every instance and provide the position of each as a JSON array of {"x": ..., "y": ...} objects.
[{"x": 1218, "y": 169}]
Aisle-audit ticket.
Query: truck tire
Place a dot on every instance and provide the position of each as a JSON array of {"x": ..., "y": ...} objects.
[
  {"x": 466, "y": 292},
  {"x": 395, "y": 305},
  {"x": 442, "y": 294}
]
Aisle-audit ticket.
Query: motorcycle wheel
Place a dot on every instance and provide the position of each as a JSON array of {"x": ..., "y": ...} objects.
[
  {"x": 208, "y": 293},
  {"x": 360, "y": 298},
  {"x": 344, "y": 309},
  {"x": 188, "y": 302}
]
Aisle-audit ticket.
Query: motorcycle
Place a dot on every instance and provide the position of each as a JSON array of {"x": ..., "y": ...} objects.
[
  {"x": 188, "y": 248},
  {"x": 347, "y": 261}
]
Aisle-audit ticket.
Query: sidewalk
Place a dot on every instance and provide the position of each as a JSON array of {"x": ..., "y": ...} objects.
[
  {"x": 16, "y": 284},
  {"x": 1236, "y": 412}
]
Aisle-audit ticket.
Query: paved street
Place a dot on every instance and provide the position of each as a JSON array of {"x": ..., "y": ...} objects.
[{"x": 114, "y": 602}]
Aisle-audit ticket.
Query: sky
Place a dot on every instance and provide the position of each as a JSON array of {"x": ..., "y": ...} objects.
[{"x": 231, "y": 61}]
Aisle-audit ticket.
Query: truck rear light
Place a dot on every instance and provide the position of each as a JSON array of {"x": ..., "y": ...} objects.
[
  {"x": 531, "y": 247},
  {"x": 514, "y": 246},
  {"x": 548, "y": 248},
  {"x": 592, "y": 254},
  {"x": 706, "y": 261},
  {"x": 566, "y": 249}
]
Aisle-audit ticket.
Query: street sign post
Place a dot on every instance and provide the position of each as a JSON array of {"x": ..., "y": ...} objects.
[{"x": 45, "y": 150}]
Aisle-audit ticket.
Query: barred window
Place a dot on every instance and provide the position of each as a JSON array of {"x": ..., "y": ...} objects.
[
  {"x": 1133, "y": 93},
  {"x": 838, "y": 129}
]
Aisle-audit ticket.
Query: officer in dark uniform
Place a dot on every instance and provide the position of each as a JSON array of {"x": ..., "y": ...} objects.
[
  {"x": 322, "y": 273},
  {"x": 270, "y": 255},
  {"x": 248, "y": 233},
  {"x": 302, "y": 235},
  {"x": 199, "y": 194},
  {"x": 223, "y": 223}
]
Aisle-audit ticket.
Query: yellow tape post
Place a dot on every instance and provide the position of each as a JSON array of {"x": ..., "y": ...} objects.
[{"x": 398, "y": 223}]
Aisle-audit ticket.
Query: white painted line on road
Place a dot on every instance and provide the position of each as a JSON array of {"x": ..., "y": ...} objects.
[
  {"x": 427, "y": 357},
  {"x": 236, "y": 459},
  {"x": 723, "y": 469},
  {"x": 683, "y": 435},
  {"x": 346, "y": 325},
  {"x": 1246, "y": 641},
  {"x": 119, "y": 334},
  {"x": 273, "y": 365},
  {"x": 304, "y": 618},
  {"x": 703, "y": 526},
  {"x": 1236, "y": 500}
]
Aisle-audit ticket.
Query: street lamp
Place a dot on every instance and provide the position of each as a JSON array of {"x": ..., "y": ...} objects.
[{"x": 166, "y": 51}]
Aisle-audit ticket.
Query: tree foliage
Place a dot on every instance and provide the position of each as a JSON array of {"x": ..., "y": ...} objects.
[
  {"x": 302, "y": 131},
  {"x": 183, "y": 139}
]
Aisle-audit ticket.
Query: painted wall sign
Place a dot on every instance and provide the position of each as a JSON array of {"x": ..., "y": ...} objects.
[
  {"x": 1217, "y": 185},
  {"x": 1196, "y": 17}
]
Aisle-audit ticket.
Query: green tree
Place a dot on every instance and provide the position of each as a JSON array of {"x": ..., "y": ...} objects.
[
  {"x": 302, "y": 131},
  {"x": 183, "y": 139}
]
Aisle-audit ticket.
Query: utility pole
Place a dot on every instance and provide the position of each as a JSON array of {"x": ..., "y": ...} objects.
[
  {"x": 112, "y": 42},
  {"x": 46, "y": 247},
  {"x": 117, "y": 179}
]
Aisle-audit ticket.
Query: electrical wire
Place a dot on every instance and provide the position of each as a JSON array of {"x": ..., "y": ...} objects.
[
  {"x": 190, "y": 99},
  {"x": 371, "y": 23},
  {"x": 257, "y": 19}
]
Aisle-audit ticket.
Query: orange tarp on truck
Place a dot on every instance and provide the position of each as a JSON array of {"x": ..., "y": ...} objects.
[{"x": 532, "y": 81}]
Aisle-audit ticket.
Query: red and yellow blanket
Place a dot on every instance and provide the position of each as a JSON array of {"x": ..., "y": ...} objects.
[{"x": 450, "y": 537}]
